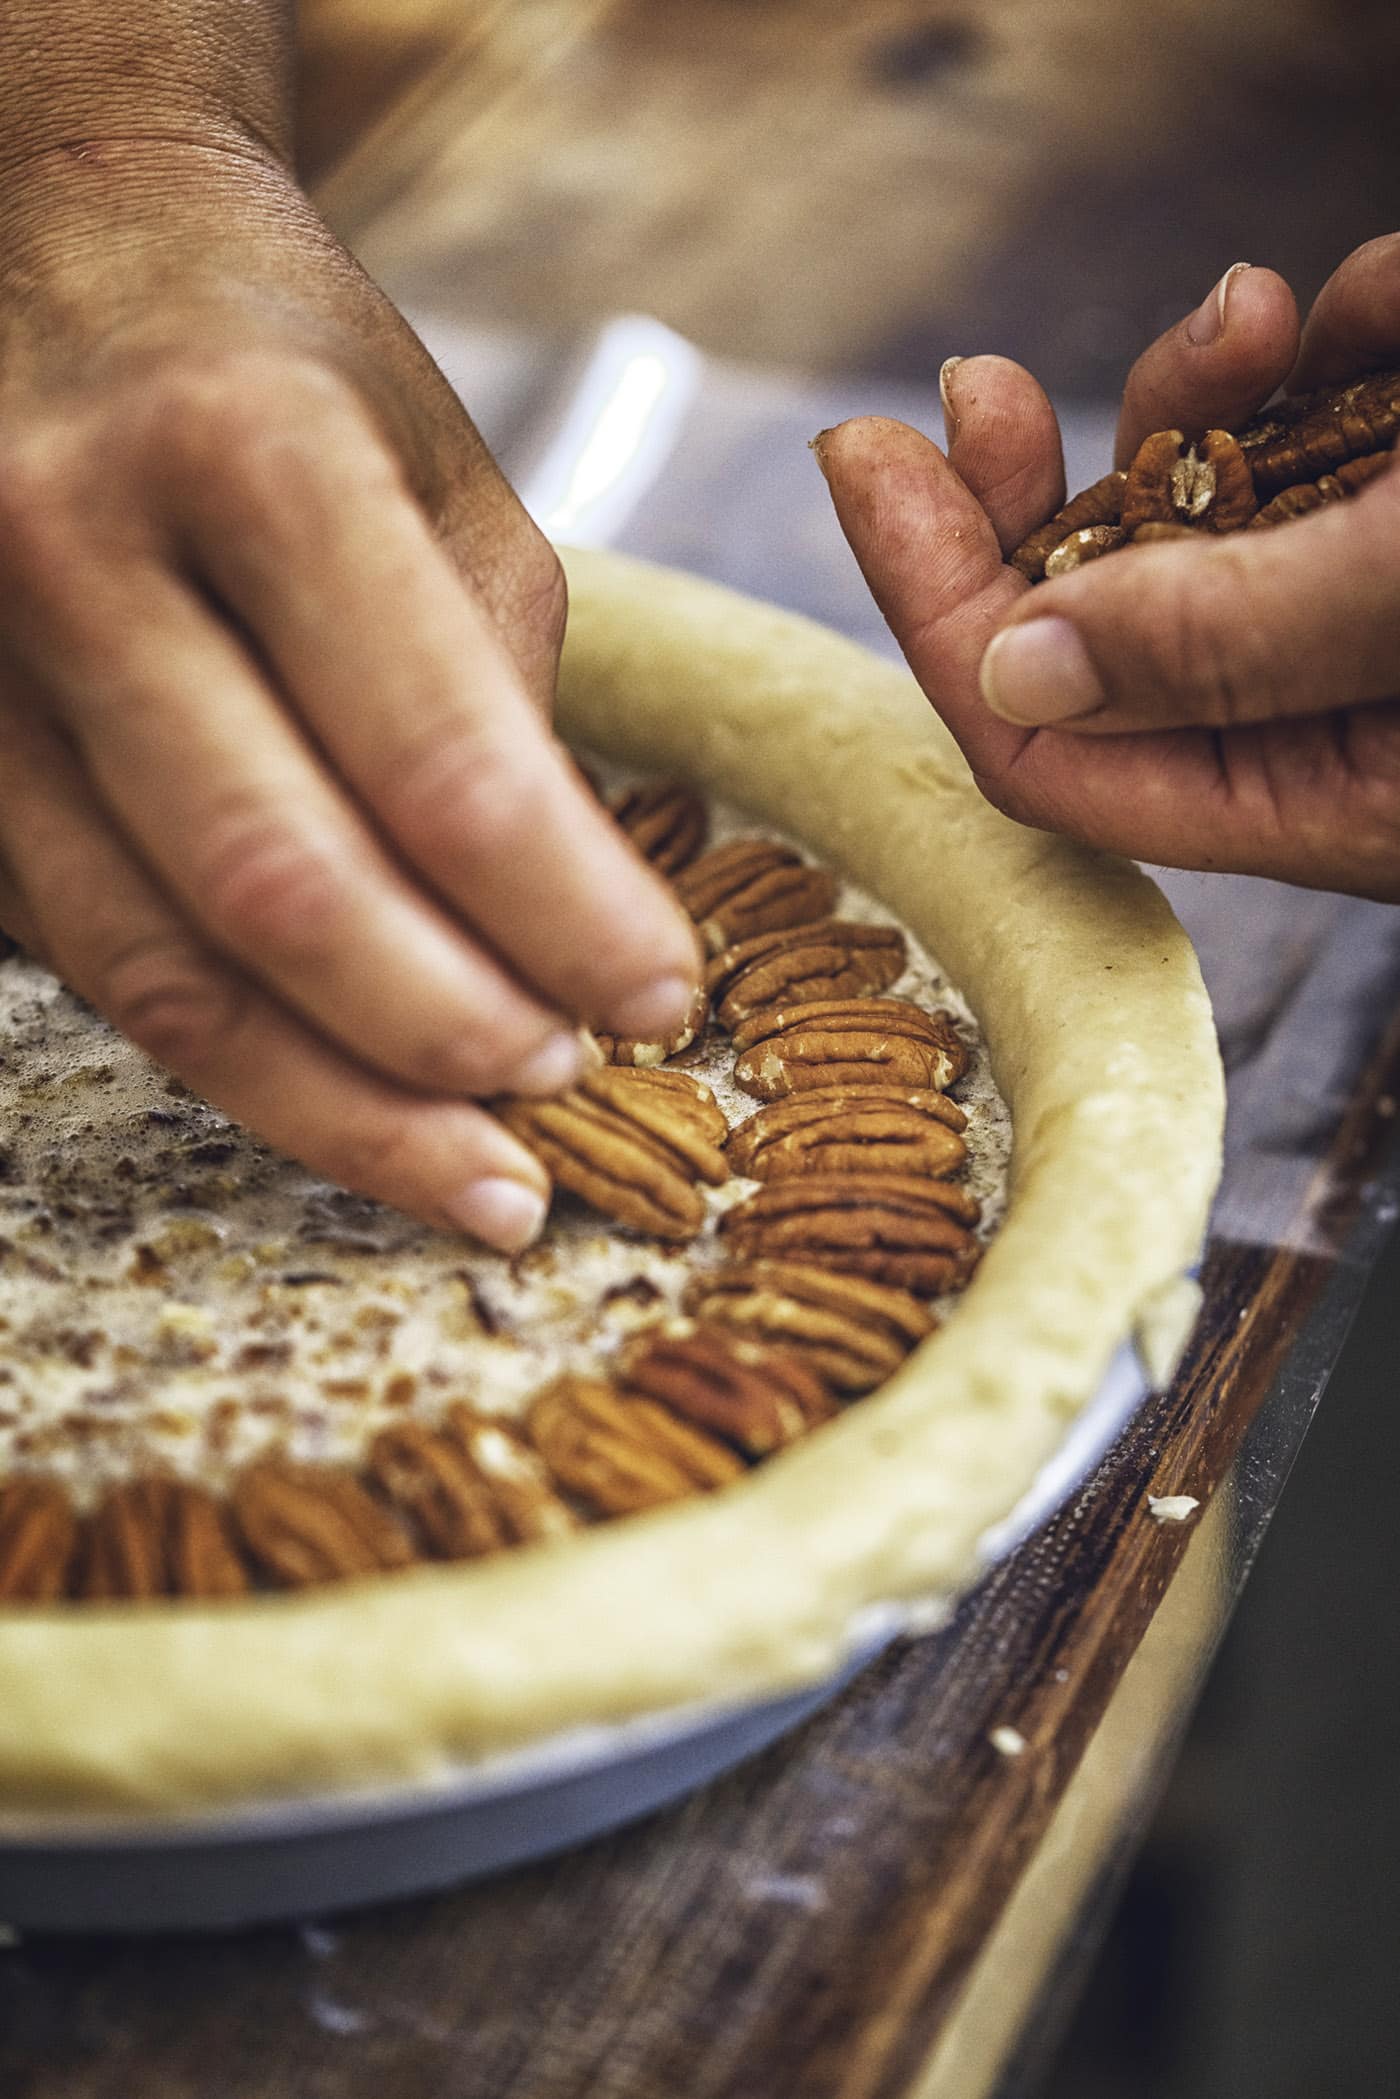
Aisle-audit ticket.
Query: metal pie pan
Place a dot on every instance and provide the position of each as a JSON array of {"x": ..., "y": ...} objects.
[{"x": 311, "y": 1856}]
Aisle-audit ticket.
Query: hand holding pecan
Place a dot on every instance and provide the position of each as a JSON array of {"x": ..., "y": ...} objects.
[{"x": 1230, "y": 666}]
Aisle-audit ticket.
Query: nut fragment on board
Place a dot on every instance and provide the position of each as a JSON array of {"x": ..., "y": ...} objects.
[
  {"x": 851, "y": 1129},
  {"x": 632, "y": 1144},
  {"x": 621, "y": 1049},
  {"x": 853, "y": 1332},
  {"x": 916, "y": 1234},
  {"x": 847, "y": 1042},
  {"x": 303, "y": 1524},
  {"x": 752, "y": 885},
  {"x": 831, "y": 958},
  {"x": 469, "y": 1487},
  {"x": 38, "y": 1536},
  {"x": 1206, "y": 485},
  {"x": 666, "y": 820},
  {"x": 619, "y": 1456},
  {"x": 749, "y": 1392}
]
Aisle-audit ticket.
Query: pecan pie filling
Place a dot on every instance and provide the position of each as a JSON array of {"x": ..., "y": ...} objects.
[{"x": 220, "y": 1375}]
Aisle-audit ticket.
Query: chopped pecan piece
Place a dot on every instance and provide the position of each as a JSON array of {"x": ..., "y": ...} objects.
[
  {"x": 754, "y": 1395},
  {"x": 857, "y": 1129},
  {"x": 314, "y": 1523},
  {"x": 830, "y": 959},
  {"x": 1304, "y": 496},
  {"x": 750, "y": 885},
  {"x": 472, "y": 1486},
  {"x": 1302, "y": 439},
  {"x": 847, "y": 1042},
  {"x": 620, "y": 1455},
  {"x": 1099, "y": 504},
  {"x": 38, "y": 1534},
  {"x": 620, "y": 1049},
  {"x": 666, "y": 821},
  {"x": 1206, "y": 485},
  {"x": 633, "y": 1144},
  {"x": 853, "y": 1332},
  {"x": 913, "y": 1233}
]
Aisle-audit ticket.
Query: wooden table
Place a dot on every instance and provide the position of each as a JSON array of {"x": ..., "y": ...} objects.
[{"x": 887, "y": 1906}]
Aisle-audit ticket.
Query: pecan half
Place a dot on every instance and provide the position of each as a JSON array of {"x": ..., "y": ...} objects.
[
  {"x": 621, "y": 1049},
  {"x": 857, "y": 1129},
  {"x": 1314, "y": 434},
  {"x": 912, "y": 1233},
  {"x": 750, "y": 885},
  {"x": 633, "y": 1144},
  {"x": 38, "y": 1535},
  {"x": 832, "y": 958},
  {"x": 666, "y": 821},
  {"x": 471, "y": 1487},
  {"x": 1099, "y": 504},
  {"x": 1089, "y": 544},
  {"x": 314, "y": 1523},
  {"x": 159, "y": 1536},
  {"x": 853, "y": 1333},
  {"x": 847, "y": 1042},
  {"x": 1303, "y": 496},
  {"x": 1207, "y": 485},
  {"x": 750, "y": 1393},
  {"x": 619, "y": 1455}
]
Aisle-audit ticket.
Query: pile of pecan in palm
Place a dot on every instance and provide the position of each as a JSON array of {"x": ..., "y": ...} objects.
[{"x": 1293, "y": 457}]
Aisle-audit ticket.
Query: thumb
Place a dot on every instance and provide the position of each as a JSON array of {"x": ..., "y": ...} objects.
[{"x": 1299, "y": 619}]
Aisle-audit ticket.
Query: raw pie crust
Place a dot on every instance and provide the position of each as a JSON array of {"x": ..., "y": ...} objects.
[{"x": 1100, "y": 1038}]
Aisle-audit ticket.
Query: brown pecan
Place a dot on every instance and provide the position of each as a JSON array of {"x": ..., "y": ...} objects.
[
  {"x": 854, "y": 1333},
  {"x": 1089, "y": 544},
  {"x": 470, "y": 1487},
  {"x": 1302, "y": 439},
  {"x": 1100, "y": 504},
  {"x": 38, "y": 1534},
  {"x": 1296, "y": 501},
  {"x": 314, "y": 1523},
  {"x": 1158, "y": 529},
  {"x": 620, "y": 1455},
  {"x": 750, "y": 885},
  {"x": 1206, "y": 485},
  {"x": 857, "y": 1129},
  {"x": 159, "y": 1536},
  {"x": 666, "y": 821},
  {"x": 847, "y": 1042},
  {"x": 832, "y": 958},
  {"x": 750, "y": 1393},
  {"x": 201, "y": 1552},
  {"x": 633, "y": 1144},
  {"x": 621, "y": 1049},
  {"x": 913, "y": 1233}
]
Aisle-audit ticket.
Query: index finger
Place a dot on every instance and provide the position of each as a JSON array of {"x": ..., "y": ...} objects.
[
  {"x": 1214, "y": 368},
  {"x": 1354, "y": 325}
]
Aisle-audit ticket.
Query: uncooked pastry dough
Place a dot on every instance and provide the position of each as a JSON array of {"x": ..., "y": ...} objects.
[{"x": 1101, "y": 1040}]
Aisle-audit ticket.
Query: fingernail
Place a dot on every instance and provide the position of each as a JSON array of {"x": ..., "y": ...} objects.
[
  {"x": 558, "y": 1062},
  {"x": 593, "y": 1058},
  {"x": 1207, "y": 323},
  {"x": 950, "y": 414},
  {"x": 1038, "y": 673},
  {"x": 656, "y": 1011},
  {"x": 503, "y": 1213},
  {"x": 815, "y": 446}
]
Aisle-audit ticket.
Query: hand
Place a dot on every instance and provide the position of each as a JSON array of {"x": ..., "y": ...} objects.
[
  {"x": 1222, "y": 704},
  {"x": 278, "y": 792}
]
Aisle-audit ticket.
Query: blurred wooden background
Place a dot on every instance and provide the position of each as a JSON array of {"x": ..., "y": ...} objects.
[{"x": 840, "y": 186}]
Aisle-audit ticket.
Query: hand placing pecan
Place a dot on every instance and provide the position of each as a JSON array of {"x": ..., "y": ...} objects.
[{"x": 1217, "y": 699}]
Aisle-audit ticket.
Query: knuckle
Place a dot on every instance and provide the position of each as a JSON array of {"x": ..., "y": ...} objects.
[
  {"x": 263, "y": 885},
  {"x": 33, "y": 505},
  {"x": 458, "y": 793},
  {"x": 171, "y": 1000},
  {"x": 251, "y": 413}
]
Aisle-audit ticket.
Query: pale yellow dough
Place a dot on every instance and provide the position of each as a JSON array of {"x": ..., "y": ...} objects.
[{"x": 1101, "y": 1039}]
